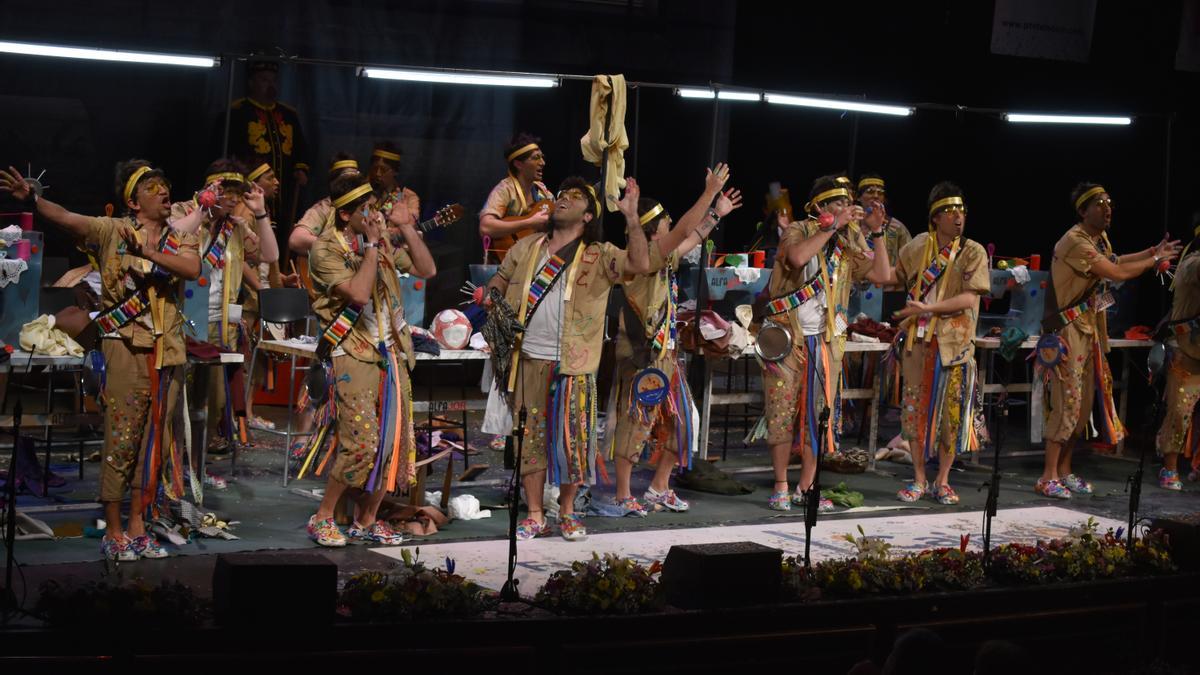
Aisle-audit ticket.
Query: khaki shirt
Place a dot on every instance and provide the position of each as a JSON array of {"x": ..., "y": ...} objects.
[
  {"x": 317, "y": 216},
  {"x": 103, "y": 241},
  {"x": 786, "y": 279},
  {"x": 235, "y": 253},
  {"x": 896, "y": 236},
  {"x": 968, "y": 273},
  {"x": 409, "y": 198},
  {"x": 1071, "y": 274},
  {"x": 506, "y": 199},
  {"x": 330, "y": 265},
  {"x": 648, "y": 295},
  {"x": 1185, "y": 305},
  {"x": 601, "y": 266}
]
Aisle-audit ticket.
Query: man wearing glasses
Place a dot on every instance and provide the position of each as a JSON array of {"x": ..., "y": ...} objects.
[{"x": 514, "y": 197}]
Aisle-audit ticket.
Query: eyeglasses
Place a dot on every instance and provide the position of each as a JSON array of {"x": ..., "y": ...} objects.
[
  {"x": 571, "y": 193},
  {"x": 1104, "y": 202},
  {"x": 952, "y": 209},
  {"x": 154, "y": 186},
  {"x": 873, "y": 191}
]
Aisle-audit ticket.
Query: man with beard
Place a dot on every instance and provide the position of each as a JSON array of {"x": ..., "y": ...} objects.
[{"x": 514, "y": 196}]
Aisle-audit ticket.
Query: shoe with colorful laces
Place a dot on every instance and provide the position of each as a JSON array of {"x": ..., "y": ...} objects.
[
  {"x": 944, "y": 494},
  {"x": 912, "y": 492},
  {"x": 146, "y": 546},
  {"x": 325, "y": 532},
  {"x": 571, "y": 527},
  {"x": 529, "y": 528},
  {"x": 117, "y": 549},
  {"x": 378, "y": 533},
  {"x": 801, "y": 499},
  {"x": 1169, "y": 480},
  {"x": 1076, "y": 484},
  {"x": 780, "y": 501},
  {"x": 631, "y": 506},
  {"x": 1052, "y": 488},
  {"x": 668, "y": 500}
]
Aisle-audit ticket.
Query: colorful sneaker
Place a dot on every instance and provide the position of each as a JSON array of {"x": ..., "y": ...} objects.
[
  {"x": 529, "y": 528},
  {"x": 668, "y": 500},
  {"x": 1052, "y": 488},
  {"x": 571, "y": 527},
  {"x": 146, "y": 546},
  {"x": 1076, "y": 484},
  {"x": 299, "y": 449},
  {"x": 1169, "y": 480},
  {"x": 912, "y": 492},
  {"x": 257, "y": 422},
  {"x": 944, "y": 494},
  {"x": 378, "y": 533},
  {"x": 801, "y": 499},
  {"x": 631, "y": 506},
  {"x": 780, "y": 501},
  {"x": 117, "y": 549},
  {"x": 212, "y": 480},
  {"x": 325, "y": 532}
]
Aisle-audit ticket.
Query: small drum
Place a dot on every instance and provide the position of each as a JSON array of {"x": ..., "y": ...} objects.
[{"x": 774, "y": 342}]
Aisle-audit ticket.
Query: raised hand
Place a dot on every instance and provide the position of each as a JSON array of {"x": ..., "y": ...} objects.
[
  {"x": 132, "y": 245},
  {"x": 715, "y": 179},
  {"x": 13, "y": 182},
  {"x": 399, "y": 215},
  {"x": 1167, "y": 249},
  {"x": 728, "y": 201},
  {"x": 629, "y": 201},
  {"x": 877, "y": 217},
  {"x": 255, "y": 199}
]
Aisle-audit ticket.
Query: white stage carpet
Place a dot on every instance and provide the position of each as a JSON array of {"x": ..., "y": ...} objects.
[{"x": 485, "y": 561}]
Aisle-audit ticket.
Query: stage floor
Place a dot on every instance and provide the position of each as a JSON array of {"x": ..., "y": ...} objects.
[{"x": 271, "y": 517}]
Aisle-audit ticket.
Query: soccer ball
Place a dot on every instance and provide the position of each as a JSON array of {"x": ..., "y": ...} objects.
[{"x": 451, "y": 329}]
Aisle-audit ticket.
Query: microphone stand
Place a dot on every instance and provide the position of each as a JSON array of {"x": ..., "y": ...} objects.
[
  {"x": 1133, "y": 484},
  {"x": 812, "y": 502},
  {"x": 509, "y": 592},
  {"x": 1000, "y": 414}
]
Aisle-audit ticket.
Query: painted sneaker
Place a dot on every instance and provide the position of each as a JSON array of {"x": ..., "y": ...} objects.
[
  {"x": 325, "y": 532},
  {"x": 1169, "y": 480},
  {"x": 529, "y": 528},
  {"x": 212, "y": 480},
  {"x": 944, "y": 494},
  {"x": 378, "y": 533},
  {"x": 801, "y": 498},
  {"x": 1076, "y": 484},
  {"x": 631, "y": 506},
  {"x": 117, "y": 549},
  {"x": 147, "y": 546},
  {"x": 1052, "y": 488},
  {"x": 571, "y": 527},
  {"x": 668, "y": 500},
  {"x": 912, "y": 492},
  {"x": 780, "y": 501}
]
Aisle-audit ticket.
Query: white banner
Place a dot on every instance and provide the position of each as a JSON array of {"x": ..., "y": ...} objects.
[{"x": 1060, "y": 30}]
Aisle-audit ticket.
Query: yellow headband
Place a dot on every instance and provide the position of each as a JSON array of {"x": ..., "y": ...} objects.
[
  {"x": 867, "y": 182},
  {"x": 133, "y": 180},
  {"x": 224, "y": 176},
  {"x": 842, "y": 180},
  {"x": 943, "y": 203},
  {"x": 520, "y": 151},
  {"x": 1083, "y": 198},
  {"x": 258, "y": 173},
  {"x": 595, "y": 199},
  {"x": 384, "y": 154},
  {"x": 829, "y": 194},
  {"x": 344, "y": 164},
  {"x": 651, "y": 214},
  {"x": 351, "y": 195}
]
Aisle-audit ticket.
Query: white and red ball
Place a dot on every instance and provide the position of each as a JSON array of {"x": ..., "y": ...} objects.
[{"x": 451, "y": 329}]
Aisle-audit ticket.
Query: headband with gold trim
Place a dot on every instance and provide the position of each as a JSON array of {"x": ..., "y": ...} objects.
[
  {"x": 1083, "y": 198},
  {"x": 133, "y": 180},
  {"x": 869, "y": 182},
  {"x": 943, "y": 203},
  {"x": 224, "y": 176},
  {"x": 384, "y": 154},
  {"x": 350, "y": 196},
  {"x": 651, "y": 214},
  {"x": 258, "y": 173},
  {"x": 829, "y": 194},
  {"x": 520, "y": 151},
  {"x": 595, "y": 199},
  {"x": 344, "y": 164}
]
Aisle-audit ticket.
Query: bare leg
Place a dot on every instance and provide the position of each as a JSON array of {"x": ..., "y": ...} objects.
[
  {"x": 1053, "y": 452},
  {"x": 662, "y": 473},
  {"x": 534, "y": 484},
  {"x": 944, "y": 465},
  {"x": 1064, "y": 459},
  {"x": 779, "y": 462},
  {"x": 918, "y": 459},
  {"x": 137, "y": 526},
  {"x": 333, "y": 492},
  {"x": 624, "y": 476},
  {"x": 1171, "y": 461},
  {"x": 112, "y": 520},
  {"x": 566, "y": 499},
  {"x": 808, "y": 472},
  {"x": 368, "y": 503}
]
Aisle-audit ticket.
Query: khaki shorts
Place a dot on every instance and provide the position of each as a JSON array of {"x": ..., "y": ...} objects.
[
  {"x": 786, "y": 395},
  {"x": 1183, "y": 391},
  {"x": 633, "y": 430},
  {"x": 357, "y": 388},
  {"x": 538, "y": 451},
  {"x": 1072, "y": 395}
]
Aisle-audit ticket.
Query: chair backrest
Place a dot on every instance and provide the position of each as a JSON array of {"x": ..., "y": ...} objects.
[
  {"x": 52, "y": 300},
  {"x": 283, "y": 305}
]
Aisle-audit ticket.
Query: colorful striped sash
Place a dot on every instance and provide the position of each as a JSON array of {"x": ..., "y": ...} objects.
[
  {"x": 546, "y": 277},
  {"x": 215, "y": 255},
  {"x": 930, "y": 276},
  {"x": 338, "y": 330},
  {"x": 667, "y": 331},
  {"x": 125, "y": 311},
  {"x": 811, "y": 289}
]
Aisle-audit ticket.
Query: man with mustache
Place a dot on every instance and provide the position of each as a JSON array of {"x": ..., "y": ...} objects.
[{"x": 514, "y": 195}]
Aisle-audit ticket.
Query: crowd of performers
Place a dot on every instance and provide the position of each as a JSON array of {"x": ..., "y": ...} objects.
[{"x": 552, "y": 285}]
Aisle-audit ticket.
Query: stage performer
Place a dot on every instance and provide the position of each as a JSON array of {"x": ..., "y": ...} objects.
[
  {"x": 1178, "y": 434},
  {"x": 142, "y": 263},
  {"x": 872, "y": 194},
  {"x": 1071, "y": 352},
  {"x": 557, "y": 283},
  {"x": 651, "y": 399},
  {"x": 941, "y": 408},
  {"x": 306, "y": 230},
  {"x": 359, "y": 303},
  {"x": 514, "y": 197},
  {"x": 819, "y": 260},
  {"x": 385, "y": 166}
]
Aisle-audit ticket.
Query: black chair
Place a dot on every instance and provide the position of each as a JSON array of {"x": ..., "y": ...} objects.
[{"x": 282, "y": 306}]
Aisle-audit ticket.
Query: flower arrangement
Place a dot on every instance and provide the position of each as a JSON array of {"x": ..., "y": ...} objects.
[
  {"x": 135, "y": 603},
  {"x": 603, "y": 585},
  {"x": 411, "y": 592},
  {"x": 1083, "y": 555}
]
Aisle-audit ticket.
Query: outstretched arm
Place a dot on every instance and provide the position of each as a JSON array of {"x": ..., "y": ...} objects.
[{"x": 13, "y": 182}]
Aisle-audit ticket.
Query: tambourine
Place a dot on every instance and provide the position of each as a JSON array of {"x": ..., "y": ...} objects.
[
  {"x": 651, "y": 386},
  {"x": 774, "y": 342}
]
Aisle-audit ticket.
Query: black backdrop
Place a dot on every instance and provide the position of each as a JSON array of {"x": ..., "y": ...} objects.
[{"x": 76, "y": 118}]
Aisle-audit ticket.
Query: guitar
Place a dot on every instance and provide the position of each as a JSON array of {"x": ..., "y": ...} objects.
[
  {"x": 500, "y": 246},
  {"x": 447, "y": 215}
]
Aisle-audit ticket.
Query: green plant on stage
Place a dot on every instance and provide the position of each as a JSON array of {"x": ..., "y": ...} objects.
[
  {"x": 603, "y": 585},
  {"x": 135, "y": 603},
  {"x": 868, "y": 548},
  {"x": 1083, "y": 555},
  {"x": 412, "y": 591}
]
